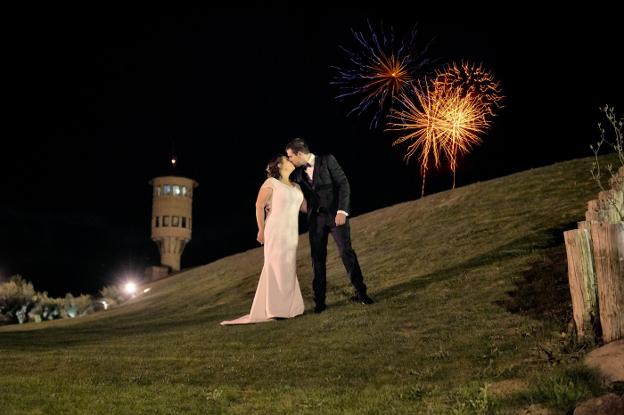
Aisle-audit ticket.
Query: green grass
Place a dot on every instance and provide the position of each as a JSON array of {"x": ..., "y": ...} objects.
[
  {"x": 563, "y": 388},
  {"x": 472, "y": 302}
]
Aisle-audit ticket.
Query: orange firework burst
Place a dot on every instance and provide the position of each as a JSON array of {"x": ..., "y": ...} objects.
[
  {"x": 387, "y": 78},
  {"x": 473, "y": 81},
  {"x": 442, "y": 122}
]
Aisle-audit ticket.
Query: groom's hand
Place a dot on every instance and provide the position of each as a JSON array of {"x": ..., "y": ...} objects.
[
  {"x": 260, "y": 237},
  {"x": 341, "y": 219}
]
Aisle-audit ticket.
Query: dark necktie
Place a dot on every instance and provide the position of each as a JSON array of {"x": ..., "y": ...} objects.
[{"x": 305, "y": 167}]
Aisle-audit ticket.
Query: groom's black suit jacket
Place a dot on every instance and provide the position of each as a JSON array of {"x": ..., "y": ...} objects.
[{"x": 329, "y": 190}]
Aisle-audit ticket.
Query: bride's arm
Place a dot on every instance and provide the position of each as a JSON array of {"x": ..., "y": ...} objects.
[
  {"x": 263, "y": 198},
  {"x": 304, "y": 205}
]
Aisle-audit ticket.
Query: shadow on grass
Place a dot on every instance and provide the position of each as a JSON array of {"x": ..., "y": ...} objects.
[
  {"x": 130, "y": 325},
  {"x": 543, "y": 290},
  {"x": 540, "y": 277}
]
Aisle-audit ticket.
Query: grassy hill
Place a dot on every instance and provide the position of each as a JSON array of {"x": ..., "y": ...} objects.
[{"x": 472, "y": 317}]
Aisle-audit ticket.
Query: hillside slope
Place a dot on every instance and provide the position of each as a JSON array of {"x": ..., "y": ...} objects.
[{"x": 471, "y": 297}]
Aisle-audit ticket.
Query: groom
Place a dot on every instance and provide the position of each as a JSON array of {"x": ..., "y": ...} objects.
[{"x": 327, "y": 194}]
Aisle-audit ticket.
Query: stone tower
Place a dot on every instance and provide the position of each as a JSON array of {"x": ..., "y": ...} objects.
[{"x": 172, "y": 216}]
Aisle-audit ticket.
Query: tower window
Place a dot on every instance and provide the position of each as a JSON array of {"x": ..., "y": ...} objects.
[
  {"x": 176, "y": 190},
  {"x": 157, "y": 221},
  {"x": 175, "y": 221},
  {"x": 183, "y": 190},
  {"x": 184, "y": 221},
  {"x": 167, "y": 189},
  {"x": 165, "y": 220},
  {"x": 157, "y": 190}
]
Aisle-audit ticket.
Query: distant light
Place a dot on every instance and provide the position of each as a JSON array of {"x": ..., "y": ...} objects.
[
  {"x": 173, "y": 161},
  {"x": 146, "y": 290},
  {"x": 105, "y": 304},
  {"x": 130, "y": 288}
]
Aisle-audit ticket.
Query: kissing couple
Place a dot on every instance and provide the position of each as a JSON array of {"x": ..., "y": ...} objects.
[{"x": 317, "y": 186}]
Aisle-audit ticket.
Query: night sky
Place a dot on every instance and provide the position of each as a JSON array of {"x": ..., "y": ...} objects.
[{"x": 97, "y": 97}]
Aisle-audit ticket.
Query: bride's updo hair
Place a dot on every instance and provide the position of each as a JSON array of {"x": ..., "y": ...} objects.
[{"x": 273, "y": 168}]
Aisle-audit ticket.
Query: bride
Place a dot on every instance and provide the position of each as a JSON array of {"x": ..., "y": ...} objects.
[{"x": 278, "y": 294}]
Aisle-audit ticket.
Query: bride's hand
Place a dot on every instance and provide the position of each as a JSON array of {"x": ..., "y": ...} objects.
[{"x": 260, "y": 237}]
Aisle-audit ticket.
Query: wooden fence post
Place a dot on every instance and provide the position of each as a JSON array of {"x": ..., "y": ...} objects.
[
  {"x": 617, "y": 181},
  {"x": 608, "y": 248},
  {"x": 582, "y": 280},
  {"x": 610, "y": 206},
  {"x": 592, "y": 210},
  {"x": 586, "y": 224}
]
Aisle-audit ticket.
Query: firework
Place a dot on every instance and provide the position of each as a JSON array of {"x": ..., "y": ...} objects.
[
  {"x": 379, "y": 70},
  {"x": 442, "y": 122},
  {"x": 473, "y": 81}
]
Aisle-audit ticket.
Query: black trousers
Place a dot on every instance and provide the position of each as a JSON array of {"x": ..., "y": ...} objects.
[{"x": 321, "y": 225}]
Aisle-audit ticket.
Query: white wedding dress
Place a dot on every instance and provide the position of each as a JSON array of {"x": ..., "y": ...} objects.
[{"x": 278, "y": 293}]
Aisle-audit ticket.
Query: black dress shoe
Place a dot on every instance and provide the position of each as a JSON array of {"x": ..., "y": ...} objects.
[
  {"x": 364, "y": 299},
  {"x": 319, "y": 308}
]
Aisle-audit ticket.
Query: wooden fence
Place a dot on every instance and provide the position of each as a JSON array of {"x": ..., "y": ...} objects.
[{"x": 595, "y": 253}]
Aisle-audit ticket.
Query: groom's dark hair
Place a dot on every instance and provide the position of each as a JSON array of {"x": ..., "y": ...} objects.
[{"x": 297, "y": 145}]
